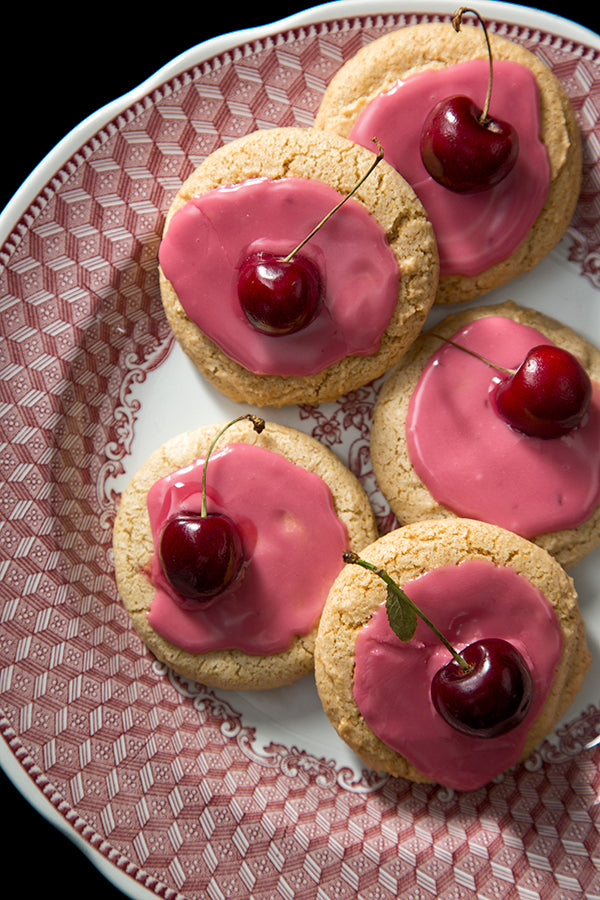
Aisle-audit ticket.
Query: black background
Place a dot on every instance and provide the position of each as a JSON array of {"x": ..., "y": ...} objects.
[{"x": 56, "y": 69}]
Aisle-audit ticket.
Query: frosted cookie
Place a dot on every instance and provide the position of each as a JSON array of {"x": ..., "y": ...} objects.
[
  {"x": 296, "y": 508},
  {"x": 440, "y": 447},
  {"x": 473, "y": 581},
  {"x": 265, "y": 192},
  {"x": 486, "y": 238}
]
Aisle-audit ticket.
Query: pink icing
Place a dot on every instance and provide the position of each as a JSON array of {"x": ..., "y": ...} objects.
[
  {"x": 293, "y": 543},
  {"x": 473, "y": 231},
  {"x": 208, "y": 239},
  {"x": 476, "y": 465},
  {"x": 392, "y": 679}
]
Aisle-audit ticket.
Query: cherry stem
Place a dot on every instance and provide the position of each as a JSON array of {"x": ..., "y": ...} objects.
[
  {"x": 351, "y": 557},
  {"x": 258, "y": 425},
  {"x": 378, "y": 159},
  {"x": 456, "y": 23},
  {"x": 472, "y": 353}
]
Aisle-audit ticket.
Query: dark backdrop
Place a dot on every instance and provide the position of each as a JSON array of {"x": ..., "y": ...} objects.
[{"x": 71, "y": 64}]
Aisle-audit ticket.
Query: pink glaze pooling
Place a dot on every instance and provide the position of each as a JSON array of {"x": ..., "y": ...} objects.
[
  {"x": 467, "y": 602},
  {"x": 293, "y": 543},
  {"x": 478, "y": 466},
  {"x": 473, "y": 231},
  {"x": 209, "y": 238}
]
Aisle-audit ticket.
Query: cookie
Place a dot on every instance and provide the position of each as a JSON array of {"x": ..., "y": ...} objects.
[
  {"x": 415, "y": 494},
  {"x": 134, "y": 552},
  {"x": 408, "y": 555},
  {"x": 434, "y": 47},
  {"x": 281, "y": 154}
]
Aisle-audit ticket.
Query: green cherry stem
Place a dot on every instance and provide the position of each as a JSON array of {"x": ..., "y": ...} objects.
[
  {"x": 353, "y": 558},
  {"x": 258, "y": 425},
  {"x": 378, "y": 159}
]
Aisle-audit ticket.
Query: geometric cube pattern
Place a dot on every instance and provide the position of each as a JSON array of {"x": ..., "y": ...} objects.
[{"x": 162, "y": 777}]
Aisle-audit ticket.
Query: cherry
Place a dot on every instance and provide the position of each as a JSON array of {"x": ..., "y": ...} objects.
[
  {"x": 489, "y": 697},
  {"x": 201, "y": 553},
  {"x": 462, "y": 148},
  {"x": 485, "y": 691},
  {"x": 465, "y": 151},
  {"x": 280, "y": 295},
  {"x": 547, "y": 396}
]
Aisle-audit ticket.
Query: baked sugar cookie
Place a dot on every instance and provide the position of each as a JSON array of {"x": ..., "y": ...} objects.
[
  {"x": 296, "y": 506},
  {"x": 376, "y": 256},
  {"x": 486, "y": 238},
  {"x": 439, "y": 447},
  {"x": 474, "y": 581}
]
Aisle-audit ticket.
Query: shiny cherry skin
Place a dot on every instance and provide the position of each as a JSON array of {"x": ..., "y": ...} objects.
[
  {"x": 279, "y": 296},
  {"x": 201, "y": 556},
  {"x": 547, "y": 396},
  {"x": 462, "y": 153},
  {"x": 493, "y": 697}
]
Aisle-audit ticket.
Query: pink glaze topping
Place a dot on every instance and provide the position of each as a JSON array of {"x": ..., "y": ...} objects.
[
  {"x": 293, "y": 544},
  {"x": 473, "y": 231},
  {"x": 392, "y": 679},
  {"x": 209, "y": 238},
  {"x": 477, "y": 465}
]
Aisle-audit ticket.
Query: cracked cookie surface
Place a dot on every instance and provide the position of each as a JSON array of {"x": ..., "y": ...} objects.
[
  {"x": 408, "y": 496},
  {"x": 133, "y": 550},
  {"x": 310, "y": 153},
  {"x": 405, "y": 554},
  {"x": 395, "y": 56}
]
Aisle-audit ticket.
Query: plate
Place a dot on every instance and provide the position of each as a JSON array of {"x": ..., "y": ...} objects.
[{"x": 174, "y": 790}]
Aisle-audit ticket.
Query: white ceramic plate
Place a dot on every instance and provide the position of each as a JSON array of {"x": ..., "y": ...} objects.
[{"x": 177, "y": 791}]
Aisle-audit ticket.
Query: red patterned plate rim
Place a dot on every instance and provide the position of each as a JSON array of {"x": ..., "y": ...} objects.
[{"x": 173, "y": 790}]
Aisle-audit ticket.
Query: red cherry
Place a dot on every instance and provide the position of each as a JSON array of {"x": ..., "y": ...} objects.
[
  {"x": 485, "y": 690},
  {"x": 201, "y": 555},
  {"x": 547, "y": 396},
  {"x": 465, "y": 151},
  {"x": 461, "y": 146},
  {"x": 281, "y": 294},
  {"x": 278, "y": 295},
  {"x": 490, "y": 698}
]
